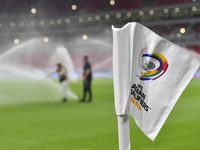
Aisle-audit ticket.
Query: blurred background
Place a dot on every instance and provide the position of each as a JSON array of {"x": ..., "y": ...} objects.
[
  {"x": 84, "y": 27},
  {"x": 36, "y": 34}
]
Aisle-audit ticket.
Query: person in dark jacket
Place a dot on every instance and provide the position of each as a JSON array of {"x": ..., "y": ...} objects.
[{"x": 87, "y": 78}]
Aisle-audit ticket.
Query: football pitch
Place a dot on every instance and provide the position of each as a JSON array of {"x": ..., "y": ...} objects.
[{"x": 34, "y": 118}]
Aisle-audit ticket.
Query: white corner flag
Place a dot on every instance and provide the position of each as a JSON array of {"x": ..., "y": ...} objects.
[{"x": 150, "y": 73}]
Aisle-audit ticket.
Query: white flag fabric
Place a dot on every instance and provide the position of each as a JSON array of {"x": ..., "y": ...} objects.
[{"x": 150, "y": 73}]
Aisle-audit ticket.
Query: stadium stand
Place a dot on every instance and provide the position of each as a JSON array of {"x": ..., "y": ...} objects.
[
  {"x": 57, "y": 21},
  {"x": 59, "y": 8}
]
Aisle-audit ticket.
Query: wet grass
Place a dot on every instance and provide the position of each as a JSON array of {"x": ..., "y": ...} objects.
[{"x": 33, "y": 117}]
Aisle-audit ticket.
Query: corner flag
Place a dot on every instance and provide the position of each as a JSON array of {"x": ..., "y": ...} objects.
[{"x": 150, "y": 73}]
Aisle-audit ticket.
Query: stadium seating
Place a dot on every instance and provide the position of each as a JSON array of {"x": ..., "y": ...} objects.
[{"x": 63, "y": 7}]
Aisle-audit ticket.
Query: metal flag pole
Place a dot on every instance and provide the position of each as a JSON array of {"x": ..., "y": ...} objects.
[{"x": 124, "y": 132}]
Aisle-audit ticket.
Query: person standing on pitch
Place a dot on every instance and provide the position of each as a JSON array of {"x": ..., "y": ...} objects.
[
  {"x": 63, "y": 79},
  {"x": 87, "y": 78}
]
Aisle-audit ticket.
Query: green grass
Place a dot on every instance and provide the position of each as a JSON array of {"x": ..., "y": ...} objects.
[{"x": 32, "y": 117}]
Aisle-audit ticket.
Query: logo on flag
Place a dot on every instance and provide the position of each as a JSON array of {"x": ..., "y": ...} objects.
[
  {"x": 152, "y": 65},
  {"x": 138, "y": 97}
]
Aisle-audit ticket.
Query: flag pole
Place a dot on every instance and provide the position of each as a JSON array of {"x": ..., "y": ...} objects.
[{"x": 123, "y": 132}]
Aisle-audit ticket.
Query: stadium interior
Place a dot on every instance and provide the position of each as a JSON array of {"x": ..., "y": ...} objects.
[
  {"x": 37, "y": 34},
  {"x": 69, "y": 22}
]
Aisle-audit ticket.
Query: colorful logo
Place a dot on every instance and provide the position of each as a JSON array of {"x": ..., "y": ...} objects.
[{"x": 152, "y": 65}]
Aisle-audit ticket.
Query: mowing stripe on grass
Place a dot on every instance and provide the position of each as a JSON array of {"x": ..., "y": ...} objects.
[{"x": 189, "y": 105}]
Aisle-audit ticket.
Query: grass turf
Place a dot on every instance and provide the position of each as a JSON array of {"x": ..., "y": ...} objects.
[{"x": 37, "y": 120}]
